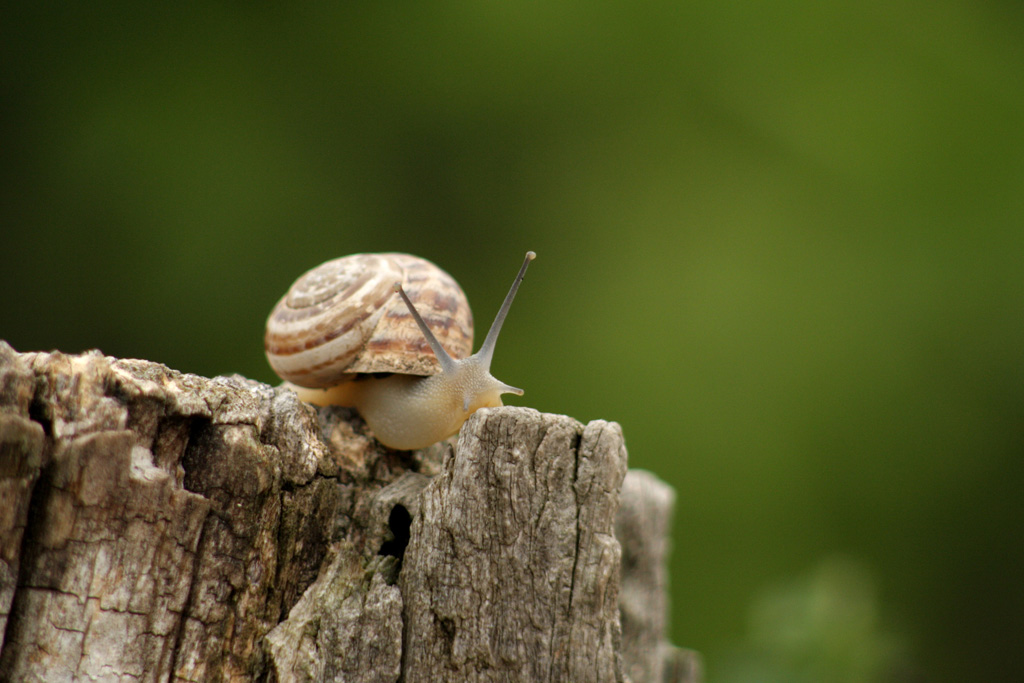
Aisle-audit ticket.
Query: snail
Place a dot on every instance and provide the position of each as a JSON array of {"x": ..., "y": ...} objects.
[{"x": 346, "y": 334}]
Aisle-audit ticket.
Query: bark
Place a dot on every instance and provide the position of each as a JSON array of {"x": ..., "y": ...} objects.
[{"x": 161, "y": 526}]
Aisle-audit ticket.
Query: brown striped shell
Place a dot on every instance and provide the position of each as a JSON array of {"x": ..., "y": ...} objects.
[{"x": 344, "y": 317}]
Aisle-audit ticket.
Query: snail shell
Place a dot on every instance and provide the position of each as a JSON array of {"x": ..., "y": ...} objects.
[{"x": 344, "y": 317}]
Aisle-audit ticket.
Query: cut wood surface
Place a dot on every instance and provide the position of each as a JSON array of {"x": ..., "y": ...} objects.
[{"x": 159, "y": 526}]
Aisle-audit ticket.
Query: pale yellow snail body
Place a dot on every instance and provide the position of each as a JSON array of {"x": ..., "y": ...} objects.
[{"x": 350, "y": 319}]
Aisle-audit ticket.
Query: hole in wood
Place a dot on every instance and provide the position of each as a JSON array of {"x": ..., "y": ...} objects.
[{"x": 399, "y": 522}]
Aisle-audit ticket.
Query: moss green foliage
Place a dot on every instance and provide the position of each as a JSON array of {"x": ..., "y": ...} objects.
[{"x": 823, "y": 626}]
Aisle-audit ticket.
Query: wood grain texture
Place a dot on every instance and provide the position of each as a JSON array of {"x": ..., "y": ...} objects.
[
  {"x": 512, "y": 566},
  {"x": 161, "y": 526}
]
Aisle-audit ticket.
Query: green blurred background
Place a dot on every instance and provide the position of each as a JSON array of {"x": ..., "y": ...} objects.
[{"x": 780, "y": 243}]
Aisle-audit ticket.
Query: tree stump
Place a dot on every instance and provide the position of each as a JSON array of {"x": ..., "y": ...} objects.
[{"x": 159, "y": 526}]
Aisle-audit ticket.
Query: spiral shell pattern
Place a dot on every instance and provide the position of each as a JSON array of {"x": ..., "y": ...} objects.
[{"x": 343, "y": 317}]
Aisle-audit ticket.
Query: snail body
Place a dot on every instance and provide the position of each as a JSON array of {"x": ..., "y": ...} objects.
[{"x": 348, "y": 320}]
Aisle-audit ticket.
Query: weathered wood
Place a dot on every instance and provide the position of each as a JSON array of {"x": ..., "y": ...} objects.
[
  {"x": 511, "y": 571},
  {"x": 161, "y": 526},
  {"x": 642, "y": 527}
]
